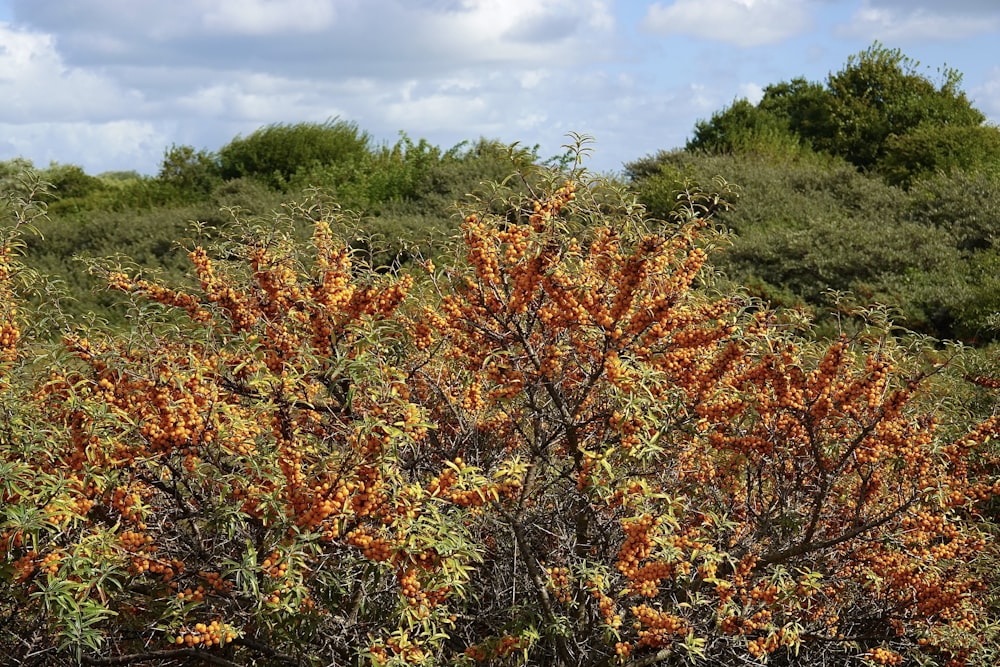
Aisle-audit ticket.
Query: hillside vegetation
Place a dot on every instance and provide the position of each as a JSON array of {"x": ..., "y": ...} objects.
[
  {"x": 567, "y": 442},
  {"x": 311, "y": 401},
  {"x": 880, "y": 183},
  {"x": 879, "y": 186},
  {"x": 400, "y": 197}
]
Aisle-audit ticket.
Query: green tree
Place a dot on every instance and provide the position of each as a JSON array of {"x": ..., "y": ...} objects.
[
  {"x": 802, "y": 106},
  {"x": 71, "y": 180},
  {"x": 275, "y": 152},
  {"x": 190, "y": 169},
  {"x": 931, "y": 148},
  {"x": 881, "y": 94},
  {"x": 744, "y": 128},
  {"x": 866, "y": 114}
]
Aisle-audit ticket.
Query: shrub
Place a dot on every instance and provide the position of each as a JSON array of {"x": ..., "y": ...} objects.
[
  {"x": 932, "y": 149},
  {"x": 193, "y": 171},
  {"x": 565, "y": 447},
  {"x": 807, "y": 228},
  {"x": 965, "y": 205},
  {"x": 275, "y": 152}
]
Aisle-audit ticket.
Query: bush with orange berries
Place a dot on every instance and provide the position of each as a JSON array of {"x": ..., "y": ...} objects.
[{"x": 572, "y": 445}]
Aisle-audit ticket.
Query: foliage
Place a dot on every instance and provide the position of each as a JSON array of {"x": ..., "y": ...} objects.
[
  {"x": 70, "y": 181},
  {"x": 808, "y": 229},
  {"x": 880, "y": 112},
  {"x": 12, "y": 175},
  {"x": 413, "y": 177},
  {"x": 275, "y": 152},
  {"x": 745, "y": 128},
  {"x": 802, "y": 107},
  {"x": 930, "y": 149},
  {"x": 405, "y": 194},
  {"x": 966, "y": 205},
  {"x": 568, "y": 446},
  {"x": 191, "y": 170},
  {"x": 881, "y": 94}
]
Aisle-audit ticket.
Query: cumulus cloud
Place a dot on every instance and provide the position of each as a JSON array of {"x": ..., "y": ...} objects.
[
  {"x": 739, "y": 22},
  {"x": 258, "y": 98},
  {"x": 753, "y": 92},
  {"x": 920, "y": 20},
  {"x": 484, "y": 66},
  {"x": 952, "y": 6},
  {"x": 110, "y": 146},
  {"x": 201, "y": 71},
  {"x": 986, "y": 96},
  {"x": 37, "y": 85},
  {"x": 263, "y": 17},
  {"x": 400, "y": 38}
]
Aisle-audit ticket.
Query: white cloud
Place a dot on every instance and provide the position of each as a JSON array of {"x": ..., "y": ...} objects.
[
  {"x": 951, "y": 7},
  {"x": 986, "y": 96},
  {"x": 259, "y": 98},
  {"x": 440, "y": 111},
  {"x": 752, "y": 92},
  {"x": 533, "y": 78},
  {"x": 739, "y": 22},
  {"x": 264, "y": 17},
  {"x": 110, "y": 146},
  {"x": 921, "y": 21},
  {"x": 200, "y": 71},
  {"x": 37, "y": 86},
  {"x": 525, "y": 32},
  {"x": 486, "y": 67},
  {"x": 531, "y": 121},
  {"x": 401, "y": 38},
  {"x": 702, "y": 99}
]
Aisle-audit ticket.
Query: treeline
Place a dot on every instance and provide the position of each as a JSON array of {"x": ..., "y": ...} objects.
[{"x": 879, "y": 185}]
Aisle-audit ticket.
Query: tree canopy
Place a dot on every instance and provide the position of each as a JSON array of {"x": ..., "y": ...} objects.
[
  {"x": 274, "y": 153},
  {"x": 880, "y": 112}
]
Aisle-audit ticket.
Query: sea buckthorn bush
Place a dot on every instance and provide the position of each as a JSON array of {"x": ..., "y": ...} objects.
[{"x": 570, "y": 445}]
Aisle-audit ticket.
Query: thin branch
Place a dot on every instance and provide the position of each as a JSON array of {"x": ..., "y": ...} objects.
[{"x": 166, "y": 654}]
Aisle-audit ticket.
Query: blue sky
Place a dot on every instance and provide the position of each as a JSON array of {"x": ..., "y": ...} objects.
[{"x": 110, "y": 84}]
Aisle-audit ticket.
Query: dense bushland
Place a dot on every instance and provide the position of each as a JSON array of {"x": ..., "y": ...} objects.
[
  {"x": 401, "y": 195},
  {"x": 564, "y": 441},
  {"x": 880, "y": 113},
  {"x": 288, "y": 403},
  {"x": 812, "y": 232},
  {"x": 903, "y": 214},
  {"x": 879, "y": 186}
]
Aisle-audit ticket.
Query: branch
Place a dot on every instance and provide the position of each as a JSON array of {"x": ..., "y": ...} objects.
[
  {"x": 644, "y": 661},
  {"x": 166, "y": 654},
  {"x": 537, "y": 579},
  {"x": 804, "y": 548},
  {"x": 266, "y": 650}
]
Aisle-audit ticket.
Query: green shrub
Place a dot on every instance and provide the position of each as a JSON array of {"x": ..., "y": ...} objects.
[{"x": 274, "y": 153}]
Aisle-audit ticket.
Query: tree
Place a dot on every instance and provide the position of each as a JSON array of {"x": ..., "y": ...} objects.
[
  {"x": 803, "y": 107},
  {"x": 744, "y": 128},
  {"x": 194, "y": 171},
  {"x": 566, "y": 447},
  {"x": 275, "y": 152},
  {"x": 880, "y": 94},
  {"x": 865, "y": 113}
]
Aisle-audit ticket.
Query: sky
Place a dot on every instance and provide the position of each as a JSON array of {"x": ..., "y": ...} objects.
[{"x": 111, "y": 84}]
